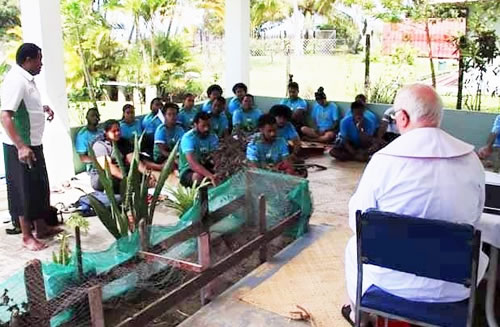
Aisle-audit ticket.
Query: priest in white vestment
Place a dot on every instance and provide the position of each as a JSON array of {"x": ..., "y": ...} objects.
[{"x": 424, "y": 173}]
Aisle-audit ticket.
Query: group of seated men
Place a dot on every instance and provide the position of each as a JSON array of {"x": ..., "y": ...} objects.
[{"x": 274, "y": 137}]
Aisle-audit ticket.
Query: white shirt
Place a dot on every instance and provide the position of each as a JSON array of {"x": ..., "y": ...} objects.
[
  {"x": 20, "y": 95},
  {"x": 424, "y": 173}
]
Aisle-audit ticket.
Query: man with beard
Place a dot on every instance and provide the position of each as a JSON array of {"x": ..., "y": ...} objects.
[{"x": 196, "y": 147}]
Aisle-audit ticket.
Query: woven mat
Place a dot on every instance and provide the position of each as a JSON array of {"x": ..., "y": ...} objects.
[{"x": 314, "y": 279}]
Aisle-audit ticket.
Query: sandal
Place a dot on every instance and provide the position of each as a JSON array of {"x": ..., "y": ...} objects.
[{"x": 346, "y": 313}]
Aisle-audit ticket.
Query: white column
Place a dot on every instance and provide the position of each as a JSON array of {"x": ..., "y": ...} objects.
[
  {"x": 237, "y": 43},
  {"x": 41, "y": 22}
]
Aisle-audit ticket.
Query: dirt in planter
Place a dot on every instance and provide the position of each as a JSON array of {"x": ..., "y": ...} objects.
[{"x": 162, "y": 283}]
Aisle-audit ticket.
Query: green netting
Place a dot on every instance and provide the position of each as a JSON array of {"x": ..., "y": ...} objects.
[{"x": 284, "y": 195}]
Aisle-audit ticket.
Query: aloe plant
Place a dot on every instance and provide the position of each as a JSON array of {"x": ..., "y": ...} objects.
[
  {"x": 63, "y": 255},
  {"x": 182, "y": 198},
  {"x": 133, "y": 191}
]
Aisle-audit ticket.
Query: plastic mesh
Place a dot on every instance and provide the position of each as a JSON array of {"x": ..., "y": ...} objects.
[{"x": 126, "y": 279}]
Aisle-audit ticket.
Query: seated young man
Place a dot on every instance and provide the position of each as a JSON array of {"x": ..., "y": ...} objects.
[
  {"x": 355, "y": 137},
  {"x": 268, "y": 151},
  {"x": 129, "y": 125},
  {"x": 187, "y": 113},
  {"x": 218, "y": 119},
  {"x": 150, "y": 123},
  {"x": 491, "y": 149},
  {"x": 325, "y": 117},
  {"x": 195, "y": 149},
  {"x": 87, "y": 135},
  {"x": 368, "y": 113},
  {"x": 214, "y": 91},
  {"x": 239, "y": 90},
  {"x": 247, "y": 116},
  {"x": 286, "y": 130},
  {"x": 167, "y": 135},
  {"x": 103, "y": 149},
  {"x": 297, "y": 105}
]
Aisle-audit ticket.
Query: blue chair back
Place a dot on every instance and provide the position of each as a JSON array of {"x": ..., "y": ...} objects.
[{"x": 424, "y": 247}]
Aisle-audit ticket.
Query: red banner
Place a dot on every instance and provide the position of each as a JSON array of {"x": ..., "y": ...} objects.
[{"x": 442, "y": 31}]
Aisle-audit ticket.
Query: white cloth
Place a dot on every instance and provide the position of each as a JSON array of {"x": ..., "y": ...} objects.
[
  {"x": 424, "y": 173},
  {"x": 20, "y": 95}
]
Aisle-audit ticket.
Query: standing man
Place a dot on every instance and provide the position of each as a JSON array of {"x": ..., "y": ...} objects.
[
  {"x": 23, "y": 118},
  {"x": 424, "y": 173}
]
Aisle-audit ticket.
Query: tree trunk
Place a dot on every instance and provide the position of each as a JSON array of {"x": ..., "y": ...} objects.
[
  {"x": 461, "y": 70},
  {"x": 431, "y": 60},
  {"x": 358, "y": 41},
  {"x": 86, "y": 72},
  {"x": 367, "y": 66}
]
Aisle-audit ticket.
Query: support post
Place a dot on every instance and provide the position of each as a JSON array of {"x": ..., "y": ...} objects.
[
  {"x": 35, "y": 293},
  {"x": 204, "y": 244},
  {"x": 250, "y": 220},
  {"x": 237, "y": 42},
  {"x": 367, "y": 65},
  {"x": 262, "y": 227},
  {"x": 95, "y": 304},
  {"x": 143, "y": 235},
  {"x": 78, "y": 253},
  {"x": 41, "y": 23}
]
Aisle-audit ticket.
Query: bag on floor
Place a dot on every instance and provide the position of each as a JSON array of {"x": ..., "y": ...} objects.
[{"x": 83, "y": 203}]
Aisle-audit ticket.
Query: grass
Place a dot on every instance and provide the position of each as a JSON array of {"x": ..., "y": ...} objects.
[{"x": 341, "y": 75}]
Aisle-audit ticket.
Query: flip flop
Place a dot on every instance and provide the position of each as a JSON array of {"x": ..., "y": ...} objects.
[{"x": 346, "y": 313}]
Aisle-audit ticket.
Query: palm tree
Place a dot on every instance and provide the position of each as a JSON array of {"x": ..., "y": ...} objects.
[{"x": 263, "y": 11}]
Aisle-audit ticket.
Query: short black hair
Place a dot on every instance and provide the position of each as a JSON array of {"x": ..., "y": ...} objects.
[
  {"x": 109, "y": 123},
  {"x": 320, "y": 94},
  {"x": 266, "y": 119},
  {"x": 153, "y": 101},
  {"x": 188, "y": 95},
  {"x": 25, "y": 51},
  {"x": 221, "y": 99},
  {"x": 249, "y": 95},
  {"x": 170, "y": 105},
  {"x": 357, "y": 105},
  {"x": 201, "y": 115},
  {"x": 293, "y": 85},
  {"x": 280, "y": 110},
  {"x": 214, "y": 87},
  {"x": 92, "y": 109},
  {"x": 360, "y": 98},
  {"x": 240, "y": 86},
  {"x": 127, "y": 106}
]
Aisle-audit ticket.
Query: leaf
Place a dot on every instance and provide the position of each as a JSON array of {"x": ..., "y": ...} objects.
[
  {"x": 105, "y": 216},
  {"x": 165, "y": 172}
]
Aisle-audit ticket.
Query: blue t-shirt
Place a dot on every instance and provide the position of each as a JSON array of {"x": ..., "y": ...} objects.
[
  {"x": 202, "y": 147},
  {"x": 349, "y": 132},
  {"x": 219, "y": 124},
  {"x": 267, "y": 153},
  {"x": 496, "y": 130},
  {"x": 84, "y": 139},
  {"x": 294, "y": 104},
  {"x": 368, "y": 114},
  {"x": 207, "y": 106},
  {"x": 288, "y": 132},
  {"x": 167, "y": 136},
  {"x": 325, "y": 117},
  {"x": 129, "y": 130},
  {"x": 247, "y": 120},
  {"x": 186, "y": 118},
  {"x": 234, "y": 105},
  {"x": 150, "y": 123}
]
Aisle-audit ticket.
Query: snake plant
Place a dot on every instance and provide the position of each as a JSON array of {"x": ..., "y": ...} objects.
[{"x": 133, "y": 190}]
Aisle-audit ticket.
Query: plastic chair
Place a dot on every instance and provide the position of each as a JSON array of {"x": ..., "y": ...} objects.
[{"x": 424, "y": 247}]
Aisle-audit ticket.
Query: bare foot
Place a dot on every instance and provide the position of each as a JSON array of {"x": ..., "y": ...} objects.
[
  {"x": 33, "y": 244},
  {"x": 48, "y": 232}
]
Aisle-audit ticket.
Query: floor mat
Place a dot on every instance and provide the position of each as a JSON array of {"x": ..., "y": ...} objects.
[{"x": 314, "y": 279}]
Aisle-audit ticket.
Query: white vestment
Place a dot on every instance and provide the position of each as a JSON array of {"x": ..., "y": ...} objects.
[{"x": 424, "y": 173}]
